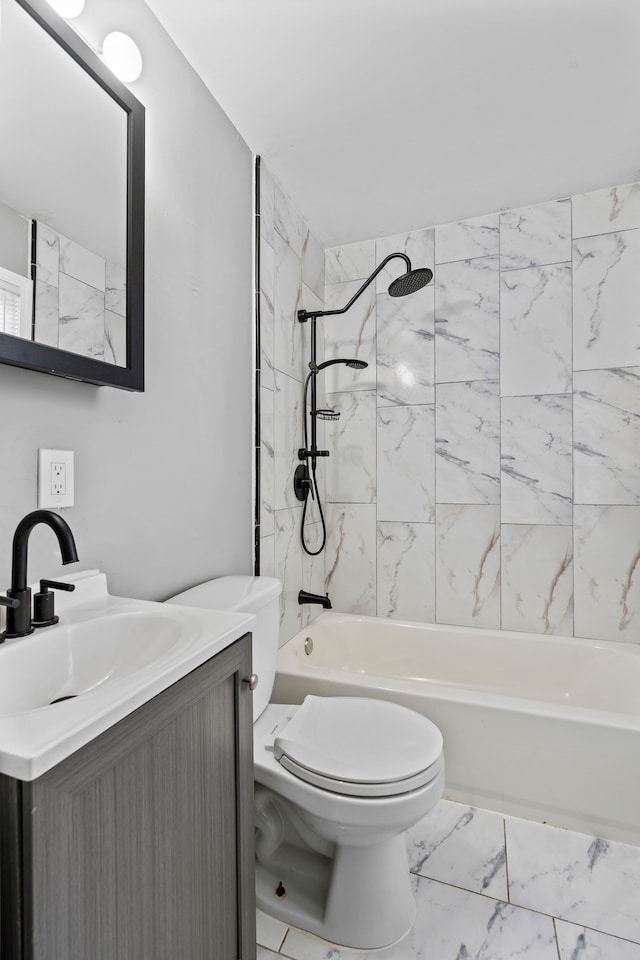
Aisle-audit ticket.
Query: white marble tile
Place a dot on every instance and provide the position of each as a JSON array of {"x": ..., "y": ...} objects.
[
  {"x": 287, "y": 438},
  {"x": 47, "y": 254},
  {"x": 575, "y": 877},
  {"x": 606, "y": 211},
  {"x": 405, "y": 348},
  {"x": 468, "y": 565},
  {"x": 352, "y": 334},
  {"x": 418, "y": 245},
  {"x": 263, "y": 954},
  {"x": 269, "y": 932},
  {"x": 115, "y": 339},
  {"x": 47, "y": 313},
  {"x": 405, "y": 463},
  {"x": 287, "y": 301},
  {"x": 607, "y": 435},
  {"x": 350, "y": 563},
  {"x": 351, "y": 261},
  {"x": 81, "y": 318},
  {"x": 267, "y": 462},
  {"x": 452, "y": 924},
  {"x": 82, "y": 264},
  {"x": 468, "y": 442},
  {"x": 607, "y": 559},
  {"x": 287, "y": 221},
  {"x": 460, "y": 845},
  {"x": 312, "y": 262},
  {"x": 465, "y": 239},
  {"x": 537, "y": 579},
  {"x": 535, "y": 321},
  {"x": 115, "y": 293},
  {"x": 268, "y": 558},
  {"x": 468, "y": 320},
  {"x": 312, "y": 572},
  {"x": 351, "y": 466},
  {"x": 606, "y": 291},
  {"x": 288, "y": 569},
  {"x": 532, "y": 236},
  {"x": 267, "y": 203},
  {"x": 406, "y": 585},
  {"x": 579, "y": 943},
  {"x": 536, "y": 459},
  {"x": 267, "y": 294}
]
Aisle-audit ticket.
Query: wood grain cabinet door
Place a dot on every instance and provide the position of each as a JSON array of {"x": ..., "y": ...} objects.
[{"x": 140, "y": 845}]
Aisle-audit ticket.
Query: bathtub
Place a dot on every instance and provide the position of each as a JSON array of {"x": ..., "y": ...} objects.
[{"x": 544, "y": 728}]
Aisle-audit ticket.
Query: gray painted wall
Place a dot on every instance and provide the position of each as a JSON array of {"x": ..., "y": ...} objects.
[{"x": 163, "y": 478}]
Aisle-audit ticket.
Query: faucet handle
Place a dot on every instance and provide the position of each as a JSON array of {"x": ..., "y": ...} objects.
[
  {"x": 11, "y": 602},
  {"x": 43, "y": 603},
  {"x": 56, "y": 585}
]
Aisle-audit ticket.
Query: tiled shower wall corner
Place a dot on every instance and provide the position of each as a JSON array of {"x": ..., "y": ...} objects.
[
  {"x": 80, "y": 299},
  {"x": 485, "y": 469},
  {"x": 291, "y": 278}
]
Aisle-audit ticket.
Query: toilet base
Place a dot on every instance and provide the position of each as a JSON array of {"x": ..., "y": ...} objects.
[{"x": 360, "y": 898}]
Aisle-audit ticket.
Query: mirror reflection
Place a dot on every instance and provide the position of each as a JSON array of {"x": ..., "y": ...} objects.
[{"x": 63, "y": 198}]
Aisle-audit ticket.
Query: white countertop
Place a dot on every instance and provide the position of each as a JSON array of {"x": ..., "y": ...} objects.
[{"x": 34, "y": 739}]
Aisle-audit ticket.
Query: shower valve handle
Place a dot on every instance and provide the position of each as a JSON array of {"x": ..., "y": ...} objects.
[{"x": 304, "y": 454}]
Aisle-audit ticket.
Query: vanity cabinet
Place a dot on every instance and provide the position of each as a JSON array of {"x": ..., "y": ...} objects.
[{"x": 139, "y": 846}]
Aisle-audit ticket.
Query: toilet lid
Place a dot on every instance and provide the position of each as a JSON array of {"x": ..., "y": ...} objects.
[{"x": 358, "y": 746}]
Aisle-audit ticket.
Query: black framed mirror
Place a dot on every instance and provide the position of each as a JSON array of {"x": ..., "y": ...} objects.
[{"x": 71, "y": 205}]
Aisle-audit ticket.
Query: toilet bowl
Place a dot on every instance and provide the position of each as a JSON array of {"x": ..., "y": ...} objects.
[{"x": 338, "y": 781}]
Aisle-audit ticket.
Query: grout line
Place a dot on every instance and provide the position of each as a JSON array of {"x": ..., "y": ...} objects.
[
  {"x": 555, "y": 936},
  {"x": 506, "y": 858}
]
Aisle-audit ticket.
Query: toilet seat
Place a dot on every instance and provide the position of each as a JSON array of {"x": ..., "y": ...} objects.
[{"x": 359, "y": 747}]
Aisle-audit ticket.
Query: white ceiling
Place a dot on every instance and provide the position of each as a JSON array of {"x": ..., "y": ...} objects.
[{"x": 378, "y": 116}]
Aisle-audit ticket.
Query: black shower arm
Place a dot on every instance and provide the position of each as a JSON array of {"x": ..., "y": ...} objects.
[{"x": 304, "y": 315}]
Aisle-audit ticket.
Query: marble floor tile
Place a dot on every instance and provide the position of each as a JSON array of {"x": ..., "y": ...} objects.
[
  {"x": 462, "y": 846},
  {"x": 269, "y": 932},
  {"x": 579, "y": 943},
  {"x": 575, "y": 877},
  {"x": 263, "y": 954},
  {"x": 452, "y": 924}
]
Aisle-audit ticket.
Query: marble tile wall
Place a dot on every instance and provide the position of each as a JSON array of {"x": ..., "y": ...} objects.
[
  {"x": 485, "y": 470},
  {"x": 80, "y": 299},
  {"x": 291, "y": 277}
]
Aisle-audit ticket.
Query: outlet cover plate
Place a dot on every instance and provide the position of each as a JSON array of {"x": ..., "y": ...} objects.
[{"x": 55, "y": 478}]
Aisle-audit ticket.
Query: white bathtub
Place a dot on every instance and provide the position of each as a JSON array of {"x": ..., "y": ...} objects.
[{"x": 545, "y": 728}]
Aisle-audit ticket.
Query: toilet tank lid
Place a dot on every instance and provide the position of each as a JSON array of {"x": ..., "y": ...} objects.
[{"x": 246, "y": 594}]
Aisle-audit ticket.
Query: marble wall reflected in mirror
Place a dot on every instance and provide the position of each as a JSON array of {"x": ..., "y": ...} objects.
[{"x": 71, "y": 204}]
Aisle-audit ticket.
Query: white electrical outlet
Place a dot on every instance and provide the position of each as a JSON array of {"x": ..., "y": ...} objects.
[{"x": 55, "y": 478}]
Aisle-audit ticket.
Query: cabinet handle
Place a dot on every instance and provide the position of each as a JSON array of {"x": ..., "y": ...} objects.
[{"x": 251, "y": 681}]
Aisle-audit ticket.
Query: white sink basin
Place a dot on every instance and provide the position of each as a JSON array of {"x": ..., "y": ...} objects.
[{"x": 106, "y": 657}]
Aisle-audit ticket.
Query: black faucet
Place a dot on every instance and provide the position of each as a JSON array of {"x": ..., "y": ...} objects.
[
  {"x": 19, "y": 623},
  {"x": 304, "y": 597}
]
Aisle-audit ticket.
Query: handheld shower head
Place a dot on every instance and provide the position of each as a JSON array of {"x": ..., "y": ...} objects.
[
  {"x": 410, "y": 281},
  {"x": 350, "y": 362}
]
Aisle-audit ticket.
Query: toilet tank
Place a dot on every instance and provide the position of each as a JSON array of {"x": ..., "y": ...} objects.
[{"x": 257, "y": 595}]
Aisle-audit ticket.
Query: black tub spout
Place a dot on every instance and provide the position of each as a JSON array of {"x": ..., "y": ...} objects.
[{"x": 305, "y": 597}]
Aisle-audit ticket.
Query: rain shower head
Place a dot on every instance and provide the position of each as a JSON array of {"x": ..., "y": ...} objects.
[{"x": 410, "y": 281}]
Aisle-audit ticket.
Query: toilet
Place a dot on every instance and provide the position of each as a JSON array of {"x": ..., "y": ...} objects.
[{"x": 337, "y": 782}]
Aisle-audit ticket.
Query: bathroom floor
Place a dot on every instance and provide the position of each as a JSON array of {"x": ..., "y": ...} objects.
[{"x": 490, "y": 887}]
